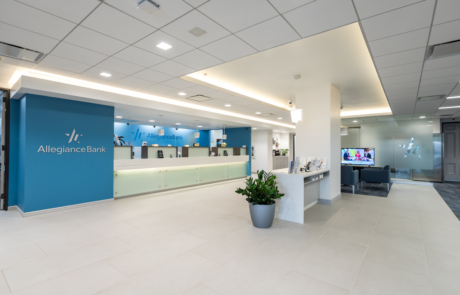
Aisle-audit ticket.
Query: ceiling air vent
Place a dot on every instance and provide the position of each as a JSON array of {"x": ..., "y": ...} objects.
[
  {"x": 443, "y": 50},
  {"x": 197, "y": 31},
  {"x": 447, "y": 115},
  {"x": 266, "y": 115},
  {"x": 199, "y": 98},
  {"x": 431, "y": 97},
  {"x": 17, "y": 52}
]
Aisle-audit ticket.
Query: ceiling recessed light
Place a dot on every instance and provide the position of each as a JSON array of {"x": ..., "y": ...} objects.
[
  {"x": 454, "y": 107},
  {"x": 451, "y": 97},
  {"x": 177, "y": 123},
  {"x": 422, "y": 117},
  {"x": 118, "y": 117},
  {"x": 280, "y": 118},
  {"x": 254, "y": 128},
  {"x": 430, "y": 121},
  {"x": 105, "y": 75},
  {"x": 258, "y": 113},
  {"x": 151, "y": 120},
  {"x": 164, "y": 46},
  {"x": 355, "y": 121},
  {"x": 182, "y": 93},
  {"x": 228, "y": 105},
  {"x": 199, "y": 126}
]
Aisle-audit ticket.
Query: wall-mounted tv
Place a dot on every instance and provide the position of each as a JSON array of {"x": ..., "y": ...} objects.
[{"x": 358, "y": 156}]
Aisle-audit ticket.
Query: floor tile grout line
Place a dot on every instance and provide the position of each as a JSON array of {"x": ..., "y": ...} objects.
[{"x": 6, "y": 281}]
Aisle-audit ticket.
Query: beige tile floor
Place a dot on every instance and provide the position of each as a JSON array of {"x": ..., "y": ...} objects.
[{"x": 201, "y": 241}]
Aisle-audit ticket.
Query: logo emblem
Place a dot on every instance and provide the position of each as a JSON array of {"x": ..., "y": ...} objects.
[{"x": 73, "y": 136}]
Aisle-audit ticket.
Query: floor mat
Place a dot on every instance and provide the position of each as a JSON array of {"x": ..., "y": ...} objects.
[
  {"x": 450, "y": 192},
  {"x": 370, "y": 189}
]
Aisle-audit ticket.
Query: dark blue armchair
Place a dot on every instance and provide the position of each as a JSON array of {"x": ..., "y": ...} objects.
[
  {"x": 350, "y": 177},
  {"x": 377, "y": 175}
]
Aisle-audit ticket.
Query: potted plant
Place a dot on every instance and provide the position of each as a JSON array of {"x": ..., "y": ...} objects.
[
  {"x": 261, "y": 194},
  {"x": 284, "y": 151}
]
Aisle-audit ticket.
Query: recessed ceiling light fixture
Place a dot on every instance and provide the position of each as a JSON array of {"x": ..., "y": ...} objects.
[
  {"x": 451, "y": 97},
  {"x": 430, "y": 121},
  {"x": 151, "y": 120},
  {"x": 422, "y": 117},
  {"x": 182, "y": 93},
  {"x": 119, "y": 117},
  {"x": 105, "y": 74},
  {"x": 228, "y": 105},
  {"x": 254, "y": 128},
  {"x": 355, "y": 121},
  {"x": 258, "y": 113},
  {"x": 454, "y": 107},
  {"x": 199, "y": 126},
  {"x": 164, "y": 46},
  {"x": 280, "y": 118},
  {"x": 177, "y": 123}
]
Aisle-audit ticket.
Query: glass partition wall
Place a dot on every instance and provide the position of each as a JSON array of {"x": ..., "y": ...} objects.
[{"x": 404, "y": 143}]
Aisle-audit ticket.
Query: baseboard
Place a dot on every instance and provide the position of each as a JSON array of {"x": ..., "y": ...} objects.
[
  {"x": 411, "y": 182},
  {"x": 310, "y": 205},
  {"x": 63, "y": 208},
  {"x": 331, "y": 201}
]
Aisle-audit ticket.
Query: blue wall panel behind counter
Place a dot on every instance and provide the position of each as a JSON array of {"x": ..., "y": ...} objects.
[
  {"x": 237, "y": 137},
  {"x": 135, "y": 134}
]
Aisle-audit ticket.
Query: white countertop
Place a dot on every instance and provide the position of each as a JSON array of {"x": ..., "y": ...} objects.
[
  {"x": 301, "y": 174},
  {"x": 175, "y": 162}
]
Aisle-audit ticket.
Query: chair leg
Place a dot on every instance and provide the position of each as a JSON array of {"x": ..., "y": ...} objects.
[
  {"x": 388, "y": 187},
  {"x": 357, "y": 186},
  {"x": 353, "y": 188}
]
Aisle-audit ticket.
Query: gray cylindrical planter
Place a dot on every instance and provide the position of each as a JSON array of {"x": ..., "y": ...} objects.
[{"x": 262, "y": 215}]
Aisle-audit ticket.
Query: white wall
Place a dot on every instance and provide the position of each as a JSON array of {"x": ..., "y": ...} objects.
[
  {"x": 320, "y": 133},
  {"x": 283, "y": 139},
  {"x": 352, "y": 140},
  {"x": 214, "y": 135},
  {"x": 262, "y": 143}
]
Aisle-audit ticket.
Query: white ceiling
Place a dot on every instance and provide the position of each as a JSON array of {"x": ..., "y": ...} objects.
[{"x": 83, "y": 38}]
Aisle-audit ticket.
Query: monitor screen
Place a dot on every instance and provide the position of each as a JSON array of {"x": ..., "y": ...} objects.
[{"x": 358, "y": 156}]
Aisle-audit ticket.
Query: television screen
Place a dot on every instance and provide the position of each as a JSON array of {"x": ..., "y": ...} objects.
[{"x": 364, "y": 156}]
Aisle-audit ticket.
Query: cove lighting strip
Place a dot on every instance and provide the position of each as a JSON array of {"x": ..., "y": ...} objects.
[
  {"x": 455, "y": 107},
  {"x": 383, "y": 111},
  {"x": 96, "y": 86}
]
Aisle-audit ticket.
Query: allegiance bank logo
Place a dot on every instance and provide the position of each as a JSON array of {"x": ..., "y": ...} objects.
[{"x": 73, "y": 137}]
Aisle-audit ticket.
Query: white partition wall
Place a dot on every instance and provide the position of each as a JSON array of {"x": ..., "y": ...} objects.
[
  {"x": 318, "y": 135},
  {"x": 263, "y": 154}
]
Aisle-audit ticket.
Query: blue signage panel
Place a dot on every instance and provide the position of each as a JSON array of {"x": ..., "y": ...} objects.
[{"x": 65, "y": 152}]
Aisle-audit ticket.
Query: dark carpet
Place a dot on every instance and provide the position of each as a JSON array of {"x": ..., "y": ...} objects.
[
  {"x": 450, "y": 192},
  {"x": 370, "y": 189}
]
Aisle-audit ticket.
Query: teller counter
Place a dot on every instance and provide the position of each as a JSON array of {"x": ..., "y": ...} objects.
[{"x": 142, "y": 176}]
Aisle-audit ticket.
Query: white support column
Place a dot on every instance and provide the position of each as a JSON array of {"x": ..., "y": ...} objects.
[
  {"x": 262, "y": 143},
  {"x": 318, "y": 135}
]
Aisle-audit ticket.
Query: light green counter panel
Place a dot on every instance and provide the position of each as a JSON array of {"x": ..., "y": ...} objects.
[
  {"x": 221, "y": 151},
  {"x": 243, "y": 151},
  {"x": 236, "y": 170},
  {"x": 178, "y": 177},
  {"x": 198, "y": 152},
  {"x": 122, "y": 152},
  {"x": 212, "y": 173},
  {"x": 133, "y": 182}
]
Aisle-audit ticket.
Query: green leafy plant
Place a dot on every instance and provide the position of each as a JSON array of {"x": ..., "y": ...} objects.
[
  {"x": 262, "y": 190},
  {"x": 284, "y": 151}
]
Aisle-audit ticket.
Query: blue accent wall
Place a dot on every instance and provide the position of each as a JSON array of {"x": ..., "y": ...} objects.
[
  {"x": 237, "y": 137},
  {"x": 68, "y": 174},
  {"x": 135, "y": 134}
]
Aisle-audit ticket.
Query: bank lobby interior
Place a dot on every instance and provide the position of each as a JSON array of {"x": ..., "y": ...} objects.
[{"x": 129, "y": 126}]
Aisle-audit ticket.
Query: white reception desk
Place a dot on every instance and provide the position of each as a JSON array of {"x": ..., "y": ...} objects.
[
  {"x": 301, "y": 191},
  {"x": 142, "y": 176}
]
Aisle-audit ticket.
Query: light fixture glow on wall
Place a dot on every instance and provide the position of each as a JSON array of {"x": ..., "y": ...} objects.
[
  {"x": 197, "y": 134},
  {"x": 164, "y": 46},
  {"x": 106, "y": 75},
  {"x": 224, "y": 136},
  {"x": 296, "y": 115},
  {"x": 161, "y": 131}
]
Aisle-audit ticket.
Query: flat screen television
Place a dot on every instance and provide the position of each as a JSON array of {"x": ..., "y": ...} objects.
[{"x": 358, "y": 156}]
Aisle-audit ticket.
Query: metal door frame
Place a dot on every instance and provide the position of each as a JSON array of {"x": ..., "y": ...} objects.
[
  {"x": 5, "y": 147},
  {"x": 443, "y": 154}
]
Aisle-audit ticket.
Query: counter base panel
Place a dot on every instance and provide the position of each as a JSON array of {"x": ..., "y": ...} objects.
[{"x": 145, "y": 181}]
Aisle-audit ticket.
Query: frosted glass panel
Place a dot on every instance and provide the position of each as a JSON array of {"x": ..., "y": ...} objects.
[
  {"x": 402, "y": 144},
  {"x": 212, "y": 173},
  {"x": 236, "y": 170},
  {"x": 133, "y": 182},
  {"x": 198, "y": 152},
  {"x": 168, "y": 152},
  {"x": 122, "y": 153},
  {"x": 178, "y": 177},
  {"x": 243, "y": 151}
]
